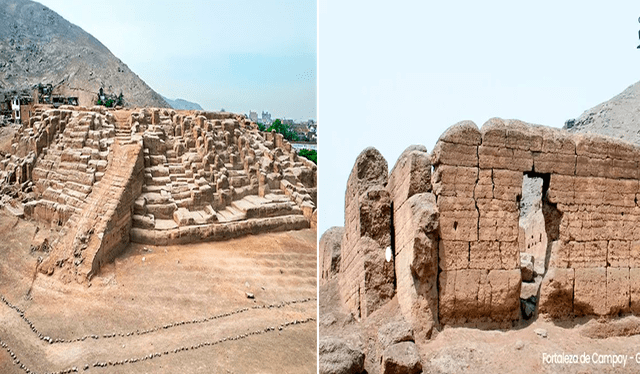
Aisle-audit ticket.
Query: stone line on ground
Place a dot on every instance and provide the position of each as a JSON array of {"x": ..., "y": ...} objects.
[
  {"x": 153, "y": 329},
  {"x": 150, "y": 356}
]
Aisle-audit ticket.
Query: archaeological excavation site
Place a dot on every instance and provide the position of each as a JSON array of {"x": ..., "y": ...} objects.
[
  {"x": 501, "y": 245},
  {"x": 155, "y": 240}
]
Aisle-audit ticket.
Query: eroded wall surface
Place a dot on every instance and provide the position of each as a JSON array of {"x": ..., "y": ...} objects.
[
  {"x": 454, "y": 226},
  {"x": 367, "y": 278}
]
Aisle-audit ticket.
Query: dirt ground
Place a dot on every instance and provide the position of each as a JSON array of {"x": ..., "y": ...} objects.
[
  {"x": 6, "y": 136},
  {"x": 527, "y": 348},
  {"x": 144, "y": 296}
]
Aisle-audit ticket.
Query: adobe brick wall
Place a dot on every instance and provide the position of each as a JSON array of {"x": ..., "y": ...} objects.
[
  {"x": 455, "y": 226},
  {"x": 366, "y": 280}
]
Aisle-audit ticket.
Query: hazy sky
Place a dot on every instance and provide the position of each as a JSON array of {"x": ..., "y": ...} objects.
[
  {"x": 232, "y": 54},
  {"x": 396, "y": 73}
]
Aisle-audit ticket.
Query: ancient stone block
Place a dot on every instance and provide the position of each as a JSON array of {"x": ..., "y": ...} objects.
[
  {"x": 410, "y": 175},
  {"x": 369, "y": 169},
  {"x": 623, "y": 169},
  {"x": 561, "y": 189},
  {"x": 485, "y": 255},
  {"x": 554, "y": 163},
  {"x": 329, "y": 248},
  {"x": 505, "y": 294},
  {"x": 451, "y": 203},
  {"x": 557, "y": 141},
  {"x": 634, "y": 290},
  {"x": 447, "y": 295},
  {"x": 454, "y": 181},
  {"x": 498, "y": 225},
  {"x": 520, "y": 136},
  {"x": 494, "y": 133},
  {"x": 378, "y": 276},
  {"x": 453, "y": 255},
  {"x": 484, "y": 186},
  {"x": 454, "y": 154},
  {"x": 634, "y": 254},
  {"x": 336, "y": 356},
  {"x": 509, "y": 255},
  {"x": 588, "y": 254},
  {"x": 556, "y": 293},
  {"x": 618, "y": 253},
  {"x": 526, "y": 267},
  {"x": 375, "y": 215},
  {"x": 593, "y": 145},
  {"x": 416, "y": 262},
  {"x": 464, "y": 132},
  {"x": 368, "y": 173},
  {"x": 560, "y": 254},
  {"x": 593, "y": 167},
  {"x": 459, "y": 225},
  {"x": 590, "y": 291},
  {"x": 468, "y": 305},
  {"x": 504, "y": 158},
  {"x": 617, "y": 290},
  {"x": 401, "y": 358}
]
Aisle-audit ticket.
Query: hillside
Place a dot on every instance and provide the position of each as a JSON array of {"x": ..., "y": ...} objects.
[
  {"x": 618, "y": 117},
  {"x": 39, "y": 46},
  {"x": 181, "y": 104}
]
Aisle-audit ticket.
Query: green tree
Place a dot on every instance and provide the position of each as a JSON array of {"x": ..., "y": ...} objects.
[
  {"x": 310, "y": 154},
  {"x": 261, "y": 127},
  {"x": 283, "y": 129}
]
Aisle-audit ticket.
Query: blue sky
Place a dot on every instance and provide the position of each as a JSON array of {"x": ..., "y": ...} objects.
[
  {"x": 392, "y": 74},
  {"x": 237, "y": 55}
]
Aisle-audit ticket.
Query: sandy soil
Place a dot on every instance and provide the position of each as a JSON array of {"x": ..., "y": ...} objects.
[
  {"x": 523, "y": 349},
  {"x": 144, "y": 296}
]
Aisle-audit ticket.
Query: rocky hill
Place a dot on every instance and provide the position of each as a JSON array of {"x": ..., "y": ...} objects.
[
  {"x": 618, "y": 117},
  {"x": 182, "y": 104},
  {"x": 39, "y": 46}
]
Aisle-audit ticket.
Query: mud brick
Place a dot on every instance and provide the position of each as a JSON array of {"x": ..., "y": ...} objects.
[{"x": 590, "y": 294}]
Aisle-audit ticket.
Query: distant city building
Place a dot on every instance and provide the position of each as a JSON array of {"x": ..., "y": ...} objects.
[
  {"x": 287, "y": 121},
  {"x": 253, "y": 116},
  {"x": 266, "y": 118}
]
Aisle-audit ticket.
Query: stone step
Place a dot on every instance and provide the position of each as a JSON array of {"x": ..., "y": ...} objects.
[
  {"x": 176, "y": 177},
  {"x": 243, "y": 205},
  {"x": 165, "y": 224},
  {"x": 181, "y": 195},
  {"x": 73, "y": 193},
  {"x": 78, "y": 187},
  {"x": 73, "y": 166},
  {"x": 230, "y": 214},
  {"x": 256, "y": 200},
  {"x": 184, "y": 217},
  {"x": 157, "y": 171},
  {"x": 147, "y": 188},
  {"x": 183, "y": 203},
  {"x": 162, "y": 211},
  {"x": 157, "y": 181}
]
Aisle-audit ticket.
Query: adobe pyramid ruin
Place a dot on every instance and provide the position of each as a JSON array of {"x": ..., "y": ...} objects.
[{"x": 105, "y": 178}]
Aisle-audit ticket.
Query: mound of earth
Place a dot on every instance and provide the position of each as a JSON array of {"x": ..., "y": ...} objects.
[
  {"x": 618, "y": 117},
  {"x": 39, "y": 46}
]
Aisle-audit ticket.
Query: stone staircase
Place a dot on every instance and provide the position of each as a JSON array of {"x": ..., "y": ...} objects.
[
  {"x": 196, "y": 177},
  {"x": 70, "y": 167},
  {"x": 122, "y": 124},
  {"x": 101, "y": 229}
]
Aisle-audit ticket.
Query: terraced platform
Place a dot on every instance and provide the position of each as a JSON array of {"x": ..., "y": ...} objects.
[{"x": 154, "y": 176}]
